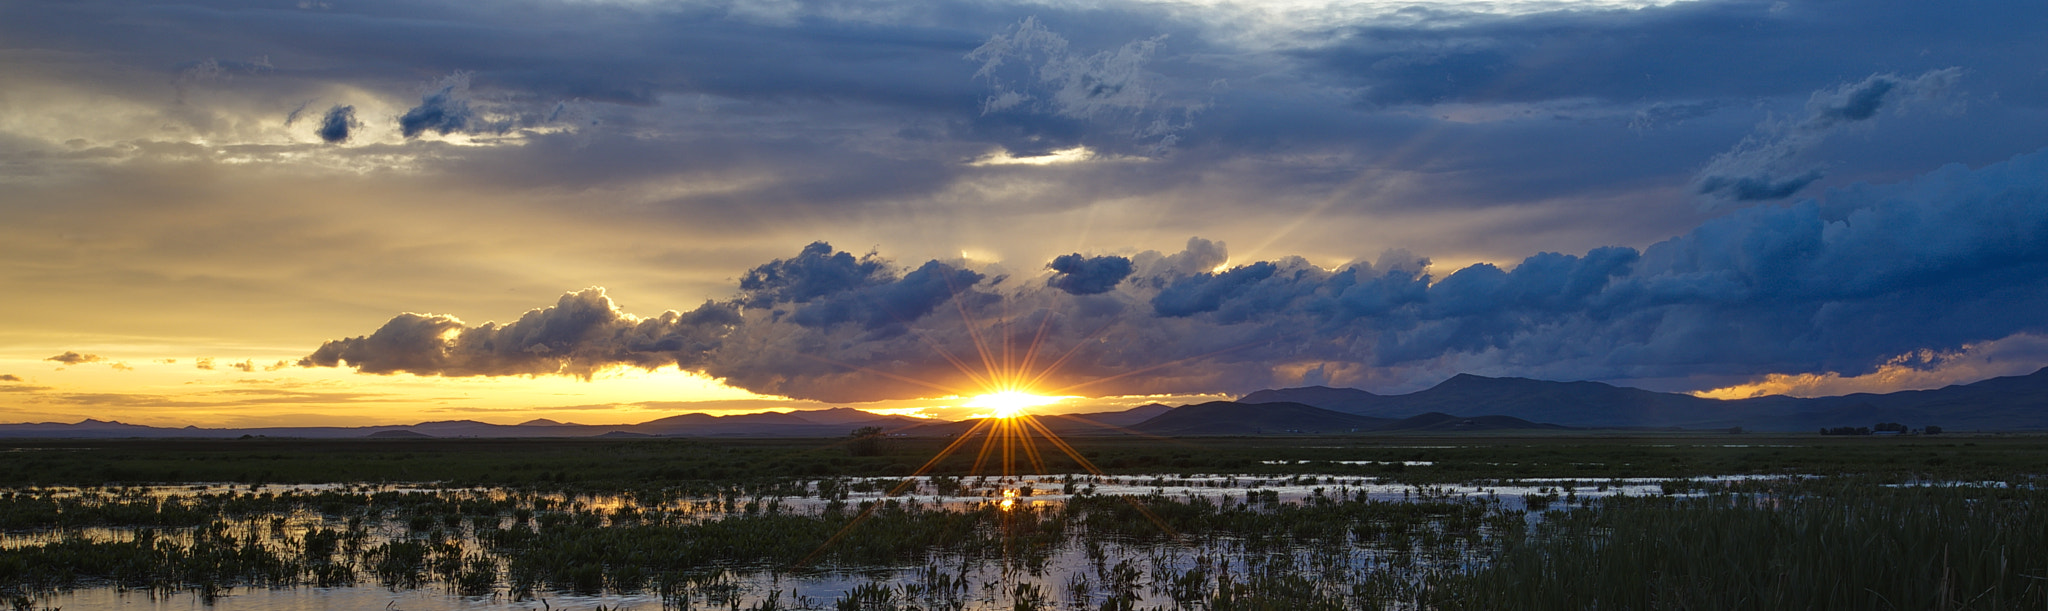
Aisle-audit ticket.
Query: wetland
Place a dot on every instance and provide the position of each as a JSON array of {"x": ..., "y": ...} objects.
[{"x": 1553, "y": 522}]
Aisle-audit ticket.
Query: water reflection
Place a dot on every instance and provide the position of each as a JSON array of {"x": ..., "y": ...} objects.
[{"x": 1061, "y": 542}]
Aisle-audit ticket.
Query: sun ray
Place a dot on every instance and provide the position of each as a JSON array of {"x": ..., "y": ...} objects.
[
  {"x": 899, "y": 378},
  {"x": 973, "y": 332},
  {"x": 1009, "y": 383},
  {"x": 1069, "y": 354},
  {"x": 898, "y": 489},
  {"x": 1037, "y": 339},
  {"x": 1158, "y": 366},
  {"x": 934, "y": 344}
]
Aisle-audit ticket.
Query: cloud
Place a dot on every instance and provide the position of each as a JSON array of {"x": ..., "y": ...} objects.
[
  {"x": 2017, "y": 354},
  {"x": 815, "y": 272},
  {"x": 1030, "y": 67},
  {"x": 73, "y": 358},
  {"x": 1078, "y": 275},
  {"x": 583, "y": 333},
  {"x": 207, "y": 70},
  {"x": 1771, "y": 165},
  {"x": 1842, "y": 283},
  {"x": 337, "y": 123},
  {"x": 8, "y": 377},
  {"x": 446, "y": 110},
  {"x": 890, "y": 303}
]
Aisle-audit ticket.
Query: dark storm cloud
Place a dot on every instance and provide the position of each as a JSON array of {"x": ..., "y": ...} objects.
[
  {"x": 892, "y": 104},
  {"x": 1079, "y": 275},
  {"x": 335, "y": 126},
  {"x": 892, "y": 303},
  {"x": 1486, "y": 135},
  {"x": 1839, "y": 284},
  {"x": 1680, "y": 51},
  {"x": 1765, "y": 166},
  {"x": 816, "y": 272},
  {"x": 444, "y": 111}
]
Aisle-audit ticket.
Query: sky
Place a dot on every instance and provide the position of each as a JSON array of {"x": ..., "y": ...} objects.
[{"x": 354, "y": 212}]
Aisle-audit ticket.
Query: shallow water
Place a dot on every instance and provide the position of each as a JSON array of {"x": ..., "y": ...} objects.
[{"x": 989, "y": 583}]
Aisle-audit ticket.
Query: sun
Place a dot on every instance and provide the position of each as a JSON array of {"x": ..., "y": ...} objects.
[{"x": 1009, "y": 403}]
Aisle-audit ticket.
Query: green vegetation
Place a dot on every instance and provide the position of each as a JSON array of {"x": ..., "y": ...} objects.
[
  {"x": 1863, "y": 531},
  {"x": 1827, "y": 545},
  {"x": 616, "y": 464}
]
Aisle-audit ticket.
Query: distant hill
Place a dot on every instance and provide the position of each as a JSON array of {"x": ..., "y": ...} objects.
[
  {"x": 837, "y": 422},
  {"x": 1446, "y": 423},
  {"x": 1126, "y": 418},
  {"x": 1233, "y": 418},
  {"x": 1462, "y": 403},
  {"x": 1349, "y": 400},
  {"x": 1065, "y": 425},
  {"x": 2008, "y": 403}
]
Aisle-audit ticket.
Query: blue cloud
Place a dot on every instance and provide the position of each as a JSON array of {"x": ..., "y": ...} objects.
[
  {"x": 1080, "y": 275},
  {"x": 336, "y": 124}
]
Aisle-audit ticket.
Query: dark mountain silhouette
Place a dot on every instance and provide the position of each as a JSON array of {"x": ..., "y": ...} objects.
[
  {"x": 1233, "y": 418},
  {"x": 1064, "y": 425},
  {"x": 1350, "y": 400},
  {"x": 2008, "y": 403},
  {"x": 839, "y": 422},
  {"x": 1127, "y": 417},
  {"x": 1442, "y": 422},
  {"x": 1464, "y": 402},
  {"x": 398, "y": 434},
  {"x": 848, "y": 415}
]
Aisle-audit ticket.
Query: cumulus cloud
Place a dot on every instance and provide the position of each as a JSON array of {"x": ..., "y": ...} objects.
[
  {"x": 337, "y": 123},
  {"x": 1843, "y": 283},
  {"x": 447, "y": 109},
  {"x": 1770, "y": 165},
  {"x": 73, "y": 358},
  {"x": 1079, "y": 275},
  {"x": 583, "y": 333},
  {"x": 815, "y": 272}
]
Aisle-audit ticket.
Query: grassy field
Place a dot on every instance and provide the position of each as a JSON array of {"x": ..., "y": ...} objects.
[{"x": 635, "y": 463}]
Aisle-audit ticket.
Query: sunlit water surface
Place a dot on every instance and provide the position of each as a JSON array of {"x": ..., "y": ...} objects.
[{"x": 980, "y": 582}]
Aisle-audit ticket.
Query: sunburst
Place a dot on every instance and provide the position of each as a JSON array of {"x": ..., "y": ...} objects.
[
  {"x": 1009, "y": 403},
  {"x": 1008, "y": 387}
]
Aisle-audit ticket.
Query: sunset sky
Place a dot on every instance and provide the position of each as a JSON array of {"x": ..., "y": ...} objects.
[{"x": 353, "y": 212}]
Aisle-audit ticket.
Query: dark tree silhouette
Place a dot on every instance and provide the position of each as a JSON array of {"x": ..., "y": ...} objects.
[{"x": 867, "y": 441}]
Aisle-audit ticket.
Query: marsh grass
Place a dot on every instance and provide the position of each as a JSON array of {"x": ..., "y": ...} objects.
[
  {"x": 700, "y": 464},
  {"x": 1808, "y": 543},
  {"x": 1829, "y": 545}
]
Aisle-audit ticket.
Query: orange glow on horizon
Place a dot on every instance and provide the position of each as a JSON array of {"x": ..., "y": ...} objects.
[{"x": 1009, "y": 403}]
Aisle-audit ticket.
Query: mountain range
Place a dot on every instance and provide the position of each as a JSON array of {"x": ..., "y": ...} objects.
[
  {"x": 2006, "y": 403},
  {"x": 834, "y": 422},
  {"x": 1464, "y": 402}
]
